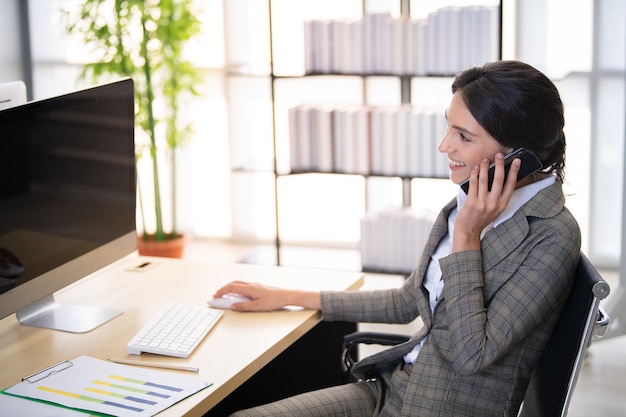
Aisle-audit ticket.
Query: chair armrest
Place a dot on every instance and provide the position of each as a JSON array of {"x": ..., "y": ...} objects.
[
  {"x": 373, "y": 338},
  {"x": 602, "y": 323},
  {"x": 352, "y": 340}
]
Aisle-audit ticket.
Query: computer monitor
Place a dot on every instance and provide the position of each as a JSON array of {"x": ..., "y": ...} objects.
[{"x": 67, "y": 200}]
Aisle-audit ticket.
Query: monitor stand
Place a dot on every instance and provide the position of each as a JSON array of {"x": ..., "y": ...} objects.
[{"x": 49, "y": 314}]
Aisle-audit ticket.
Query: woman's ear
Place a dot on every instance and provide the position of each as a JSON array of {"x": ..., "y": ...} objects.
[{"x": 507, "y": 150}]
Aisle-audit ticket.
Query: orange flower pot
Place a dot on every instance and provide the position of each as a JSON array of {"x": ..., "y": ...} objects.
[{"x": 169, "y": 248}]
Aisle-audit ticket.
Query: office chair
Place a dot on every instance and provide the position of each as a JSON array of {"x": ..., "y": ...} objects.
[{"x": 552, "y": 382}]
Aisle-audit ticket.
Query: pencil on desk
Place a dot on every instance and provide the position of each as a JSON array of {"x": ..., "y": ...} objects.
[{"x": 156, "y": 365}]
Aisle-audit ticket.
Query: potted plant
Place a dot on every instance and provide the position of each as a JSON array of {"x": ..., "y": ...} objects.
[{"x": 144, "y": 39}]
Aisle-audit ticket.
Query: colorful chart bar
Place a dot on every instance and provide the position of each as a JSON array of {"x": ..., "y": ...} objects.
[
  {"x": 121, "y": 396},
  {"x": 149, "y": 384},
  {"x": 132, "y": 389},
  {"x": 90, "y": 399}
]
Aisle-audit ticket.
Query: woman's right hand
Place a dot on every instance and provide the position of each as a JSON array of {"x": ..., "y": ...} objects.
[
  {"x": 482, "y": 205},
  {"x": 267, "y": 298}
]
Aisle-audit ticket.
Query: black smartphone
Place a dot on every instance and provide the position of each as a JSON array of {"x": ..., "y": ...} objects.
[{"x": 530, "y": 164}]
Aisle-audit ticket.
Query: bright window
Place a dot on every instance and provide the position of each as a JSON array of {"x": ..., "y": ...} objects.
[{"x": 226, "y": 183}]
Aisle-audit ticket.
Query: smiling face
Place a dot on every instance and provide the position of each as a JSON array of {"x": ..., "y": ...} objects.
[{"x": 466, "y": 142}]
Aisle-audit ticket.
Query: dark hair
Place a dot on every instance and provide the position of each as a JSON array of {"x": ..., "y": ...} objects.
[{"x": 519, "y": 107}]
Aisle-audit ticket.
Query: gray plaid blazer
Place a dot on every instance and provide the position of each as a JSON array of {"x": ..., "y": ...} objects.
[{"x": 493, "y": 319}]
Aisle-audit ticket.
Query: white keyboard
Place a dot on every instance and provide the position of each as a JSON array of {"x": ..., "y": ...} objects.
[{"x": 175, "y": 331}]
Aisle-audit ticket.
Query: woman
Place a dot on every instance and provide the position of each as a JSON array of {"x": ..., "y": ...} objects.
[{"x": 492, "y": 279}]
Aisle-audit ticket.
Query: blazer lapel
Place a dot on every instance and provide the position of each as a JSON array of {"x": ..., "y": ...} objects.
[{"x": 501, "y": 241}]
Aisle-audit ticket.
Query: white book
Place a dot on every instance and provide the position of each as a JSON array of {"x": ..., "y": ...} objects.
[
  {"x": 451, "y": 32},
  {"x": 471, "y": 29},
  {"x": 400, "y": 219},
  {"x": 386, "y": 239},
  {"x": 348, "y": 138},
  {"x": 312, "y": 163},
  {"x": 371, "y": 41},
  {"x": 420, "y": 30},
  {"x": 338, "y": 145},
  {"x": 294, "y": 140},
  {"x": 367, "y": 242},
  {"x": 440, "y": 160},
  {"x": 486, "y": 36},
  {"x": 433, "y": 60},
  {"x": 492, "y": 49},
  {"x": 426, "y": 155},
  {"x": 469, "y": 43},
  {"x": 381, "y": 231},
  {"x": 413, "y": 148},
  {"x": 346, "y": 134},
  {"x": 418, "y": 241},
  {"x": 396, "y": 47},
  {"x": 310, "y": 65},
  {"x": 389, "y": 140},
  {"x": 481, "y": 37},
  {"x": 385, "y": 48},
  {"x": 444, "y": 40},
  {"x": 304, "y": 138},
  {"x": 335, "y": 50},
  {"x": 425, "y": 221},
  {"x": 376, "y": 140},
  {"x": 323, "y": 117},
  {"x": 356, "y": 31},
  {"x": 343, "y": 42},
  {"x": 411, "y": 45},
  {"x": 409, "y": 53},
  {"x": 323, "y": 48},
  {"x": 373, "y": 236},
  {"x": 404, "y": 248},
  {"x": 391, "y": 239},
  {"x": 414, "y": 241},
  {"x": 361, "y": 140},
  {"x": 402, "y": 122}
]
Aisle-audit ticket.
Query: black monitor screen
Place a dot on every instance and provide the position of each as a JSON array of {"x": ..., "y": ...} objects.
[{"x": 67, "y": 180}]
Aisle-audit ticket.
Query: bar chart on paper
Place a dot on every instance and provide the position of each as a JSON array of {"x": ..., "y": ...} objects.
[
  {"x": 137, "y": 394},
  {"x": 104, "y": 387}
]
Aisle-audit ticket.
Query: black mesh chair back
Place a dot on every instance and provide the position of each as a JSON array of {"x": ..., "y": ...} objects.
[{"x": 553, "y": 380}]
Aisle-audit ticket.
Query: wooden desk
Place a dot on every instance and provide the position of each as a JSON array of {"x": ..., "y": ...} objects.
[{"x": 239, "y": 346}]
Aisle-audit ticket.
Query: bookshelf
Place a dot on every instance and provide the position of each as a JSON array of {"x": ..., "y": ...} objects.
[{"x": 308, "y": 86}]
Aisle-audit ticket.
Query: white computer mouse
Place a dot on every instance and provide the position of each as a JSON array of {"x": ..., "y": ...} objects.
[{"x": 226, "y": 300}]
